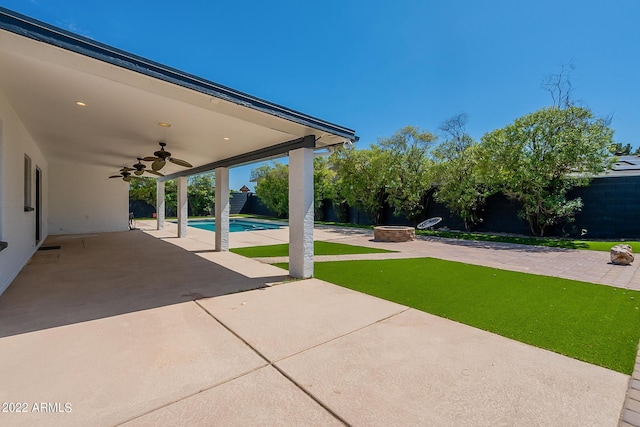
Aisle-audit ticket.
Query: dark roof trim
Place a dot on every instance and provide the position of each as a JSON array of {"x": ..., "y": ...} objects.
[
  {"x": 277, "y": 150},
  {"x": 40, "y": 31}
]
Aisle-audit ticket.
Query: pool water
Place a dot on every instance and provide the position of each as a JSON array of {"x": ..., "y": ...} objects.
[{"x": 234, "y": 225}]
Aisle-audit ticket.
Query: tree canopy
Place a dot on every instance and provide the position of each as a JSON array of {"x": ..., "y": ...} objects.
[
  {"x": 542, "y": 155},
  {"x": 536, "y": 161},
  {"x": 272, "y": 185},
  {"x": 458, "y": 182},
  {"x": 200, "y": 193},
  {"x": 361, "y": 179},
  {"x": 410, "y": 170}
]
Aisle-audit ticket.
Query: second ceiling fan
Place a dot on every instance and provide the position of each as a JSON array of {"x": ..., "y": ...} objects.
[
  {"x": 160, "y": 158},
  {"x": 140, "y": 169}
]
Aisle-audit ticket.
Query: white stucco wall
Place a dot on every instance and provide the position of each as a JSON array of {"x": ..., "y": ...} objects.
[
  {"x": 83, "y": 200},
  {"x": 17, "y": 227}
]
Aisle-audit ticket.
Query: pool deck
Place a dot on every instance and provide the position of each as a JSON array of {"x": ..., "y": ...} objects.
[{"x": 143, "y": 329}]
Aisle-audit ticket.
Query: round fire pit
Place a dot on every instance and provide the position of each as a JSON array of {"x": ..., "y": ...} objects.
[{"x": 394, "y": 233}]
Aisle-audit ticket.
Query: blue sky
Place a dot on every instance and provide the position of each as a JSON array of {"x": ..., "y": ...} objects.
[{"x": 377, "y": 66}]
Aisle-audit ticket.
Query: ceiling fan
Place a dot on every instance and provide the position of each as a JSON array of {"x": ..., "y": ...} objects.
[
  {"x": 125, "y": 174},
  {"x": 160, "y": 158},
  {"x": 137, "y": 169},
  {"x": 140, "y": 169}
]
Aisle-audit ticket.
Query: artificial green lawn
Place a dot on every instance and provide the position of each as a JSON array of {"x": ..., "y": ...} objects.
[
  {"x": 319, "y": 248},
  {"x": 594, "y": 323}
]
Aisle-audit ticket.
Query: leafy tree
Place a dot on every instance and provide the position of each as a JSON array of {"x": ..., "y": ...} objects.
[
  {"x": 397, "y": 169},
  {"x": 362, "y": 177},
  {"x": 145, "y": 189},
  {"x": 621, "y": 150},
  {"x": 539, "y": 157},
  {"x": 323, "y": 185},
  {"x": 272, "y": 185},
  {"x": 171, "y": 198},
  {"x": 201, "y": 193},
  {"x": 409, "y": 175},
  {"x": 459, "y": 184}
]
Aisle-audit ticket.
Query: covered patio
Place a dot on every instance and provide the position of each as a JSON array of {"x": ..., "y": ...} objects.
[
  {"x": 164, "y": 326},
  {"x": 141, "y": 328},
  {"x": 74, "y": 112}
]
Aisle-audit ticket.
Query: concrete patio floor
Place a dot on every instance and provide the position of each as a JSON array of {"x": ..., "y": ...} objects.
[{"x": 141, "y": 328}]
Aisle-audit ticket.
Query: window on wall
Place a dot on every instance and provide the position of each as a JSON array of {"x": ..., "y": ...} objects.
[{"x": 27, "y": 184}]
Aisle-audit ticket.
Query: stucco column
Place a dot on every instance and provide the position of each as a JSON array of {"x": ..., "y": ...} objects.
[
  {"x": 222, "y": 209},
  {"x": 160, "y": 203},
  {"x": 301, "y": 213},
  {"x": 183, "y": 206}
]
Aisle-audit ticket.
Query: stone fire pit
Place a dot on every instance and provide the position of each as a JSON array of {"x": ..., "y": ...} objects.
[{"x": 394, "y": 233}]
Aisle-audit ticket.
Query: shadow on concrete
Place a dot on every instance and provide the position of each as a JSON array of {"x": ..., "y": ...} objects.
[{"x": 108, "y": 274}]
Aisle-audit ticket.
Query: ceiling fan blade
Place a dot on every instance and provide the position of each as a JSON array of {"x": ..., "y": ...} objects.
[
  {"x": 157, "y": 164},
  {"x": 180, "y": 162},
  {"x": 126, "y": 169},
  {"x": 115, "y": 176},
  {"x": 149, "y": 159},
  {"x": 155, "y": 173}
]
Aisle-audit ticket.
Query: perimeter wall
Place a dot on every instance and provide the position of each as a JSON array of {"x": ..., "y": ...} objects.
[{"x": 611, "y": 210}]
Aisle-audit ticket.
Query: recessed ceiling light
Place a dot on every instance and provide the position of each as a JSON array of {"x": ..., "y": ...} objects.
[
  {"x": 226, "y": 138},
  {"x": 80, "y": 104},
  {"x": 164, "y": 125}
]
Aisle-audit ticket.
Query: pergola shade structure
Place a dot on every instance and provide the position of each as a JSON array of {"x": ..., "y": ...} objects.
[{"x": 45, "y": 71}]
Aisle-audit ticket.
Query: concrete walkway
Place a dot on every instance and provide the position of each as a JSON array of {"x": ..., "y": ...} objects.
[{"x": 144, "y": 329}]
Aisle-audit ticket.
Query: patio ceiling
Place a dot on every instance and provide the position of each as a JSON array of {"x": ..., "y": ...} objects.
[{"x": 46, "y": 70}]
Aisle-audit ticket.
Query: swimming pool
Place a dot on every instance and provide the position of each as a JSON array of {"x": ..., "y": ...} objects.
[{"x": 234, "y": 225}]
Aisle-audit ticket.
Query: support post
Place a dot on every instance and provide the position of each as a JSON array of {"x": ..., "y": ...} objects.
[
  {"x": 160, "y": 203},
  {"x": 183, "y": 206},
  {"x": 222, "y": 209},
  {"x": 301, "y": 213}
]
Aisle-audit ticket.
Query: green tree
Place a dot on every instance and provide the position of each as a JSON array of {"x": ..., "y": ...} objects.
[
  {"x": 409, "y": 170},
  {"x": 171, "y": 197},
  {"x": 538, "y": 158},
  {"x": 323, "y": 185},
  {"x": 621, "y": 150},
  {"x": 459, "y": 183},
  {"x": 201, "y": 193},
  {"x": 144, "y": 189},
  {"x": 362, "y": 177},
  {"x": 272, "y": 185}
]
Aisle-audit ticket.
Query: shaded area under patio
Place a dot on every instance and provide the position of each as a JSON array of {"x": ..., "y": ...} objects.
[{"x": 93, "y": 276}]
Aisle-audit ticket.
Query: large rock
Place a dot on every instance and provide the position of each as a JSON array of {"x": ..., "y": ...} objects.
[{"x": 622, "y": 254}]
